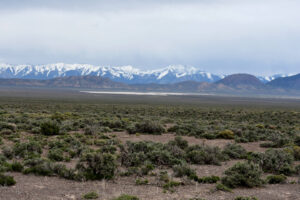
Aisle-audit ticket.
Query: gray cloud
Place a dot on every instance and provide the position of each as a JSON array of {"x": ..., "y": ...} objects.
[{"x": 222, "y": 36}]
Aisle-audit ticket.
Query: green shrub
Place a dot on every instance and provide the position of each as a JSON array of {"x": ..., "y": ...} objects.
[
  {"x": 91, "y": 195},
  {"x": 97, "y": 166},
  {"x": 209, "y": 179},
  {"x": 27, "y": 149},
  {"x": 56, "y": 155},
  {"x": 297, "y": 169},
  {"x": 8, "y": 152},
  {"x": 139, "y": 181},
  {"x": 138, "y": 153},
  {"x": 234, "y": 151},
  {"x": 42, "y": 168},
  {"x": 17, "y": 167},
  {"x": 222, "y": 187},
  {"x": 226, "y": 134},
  {"x": 275, "y": 179},
  {"x": 147, "y": 167},
  {"x": 243, "y": 175},
  {"x": 9, "y": 126},
  {"x": 204, "y": 155},
  {"x": 148, "y": 127},
  {"x": 179, "y": 142},
  {"x": 278, "y": 140},
  {"x": 4, "y": 165},
  {"x": 126, "y": 197},
  {"x": 164, "y": 177},
  {"x": 90, "y": 130},
  {"x": 6, "y": 180},
  {"x": 245, "y": 198},
  {"x": 184, "y": 170},
  {"x": 296, "y": 152},
  {"x": 171, "y": 184},
  {"x": 49, "y": 128},
  {"x": 297, "y": 140},
  {"x": 6, "y": 132},
  {"x": 277, "y": 161}
]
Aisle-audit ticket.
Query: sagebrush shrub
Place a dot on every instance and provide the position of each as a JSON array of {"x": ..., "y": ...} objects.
[
  {"x": 184, "y": 170},
  {"x": 7, "y": 180},
  {"x": 226, "y": 134},
  {"x": 97, "y": 166},
  {"x": 126, "y": 197},
  {"x": 49, "y": 128},
  {"x": 275, "y": 179},
  {"x": 277, "y": 161},
  {"x": 234, "y": 151},
  {"x": 203, "y": 154},
  {"x": 245, "y": 198},
  {"x": 91, "y": 195},
  {"x": 149, "y": 127},
  {"x": 243, "y": 175}
]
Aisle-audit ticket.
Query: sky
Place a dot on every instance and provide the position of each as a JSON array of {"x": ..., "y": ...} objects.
[{"x": 260, "y": 37}]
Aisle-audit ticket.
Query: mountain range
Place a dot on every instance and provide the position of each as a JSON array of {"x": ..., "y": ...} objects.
[
  {"x": 232, "y": 84},
  {"x": 123, "y": 74},
  {"x": 172, "y": 79}
]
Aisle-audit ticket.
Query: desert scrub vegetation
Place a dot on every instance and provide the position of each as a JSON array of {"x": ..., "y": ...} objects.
[
  {"x": 148, "y": 127},
  {"x": 277, "y": 161},
  {"x": 275, "y": 179},
  {"x": 49, "y": 128},
  {"x": 243, "y": 175},
  {"x": 7, "y": 180},
  {"x": 90, "y": 195},
  {"x": 126, "y": 197},
  {"x": 245, "y": 198},
  {"x": 84, "y": 141},
  {"x": 175, "y": 152}
]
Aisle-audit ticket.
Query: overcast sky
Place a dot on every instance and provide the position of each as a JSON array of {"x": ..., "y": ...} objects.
[{"x": 219, "y": 36}]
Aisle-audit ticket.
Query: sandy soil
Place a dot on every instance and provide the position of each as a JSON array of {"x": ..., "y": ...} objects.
[
  {"x": 30, "y": 187},
  {"x": 164, "y": 138}
]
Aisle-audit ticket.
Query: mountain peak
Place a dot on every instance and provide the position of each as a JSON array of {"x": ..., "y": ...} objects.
[
  {"x": 241, "y": 80},
  {"x": 126, "y": 74}
]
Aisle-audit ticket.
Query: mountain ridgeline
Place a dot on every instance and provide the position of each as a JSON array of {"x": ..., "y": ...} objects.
[
  {"x": 232, "y": 84},
  {"x": 176, "y": 78},
  {"x": 124, "y": 74}
]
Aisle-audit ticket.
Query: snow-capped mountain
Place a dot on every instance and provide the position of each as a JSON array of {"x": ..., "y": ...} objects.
[
  {"x": 125, "y": 74},
  {"x": 266, "y": 79}
]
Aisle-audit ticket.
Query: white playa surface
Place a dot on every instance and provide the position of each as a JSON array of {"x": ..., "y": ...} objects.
[
  {"x": 143, "y": 93},
  {"x": 186, "y": 94}
]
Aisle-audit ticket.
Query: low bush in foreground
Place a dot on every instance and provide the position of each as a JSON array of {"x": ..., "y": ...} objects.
[
  {"x": 222, "y": 187},
  {"x": 7, "y": 180},
  {"x": 49, "y": 128},
  {"x": 243, "y": 175},
  {"x": 97, "y": 166},
  {"x": 126, "y": 197},
  {"x": 226, "y": 134},
  {"x": 148, "y": 127},
  {"x": 276, "y": 179},
  {"x": 91, "y": 195},
  {"x": 246, "y": 198},
  {"x": 277, "y": 161},
  {"x": 234, "y": 151}
]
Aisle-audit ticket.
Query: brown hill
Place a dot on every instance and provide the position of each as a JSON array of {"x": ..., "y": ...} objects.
[{"x": 241, "y": 81}]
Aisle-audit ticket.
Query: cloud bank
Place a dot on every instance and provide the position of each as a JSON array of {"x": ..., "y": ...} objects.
[{"x": 220, "y": 36}]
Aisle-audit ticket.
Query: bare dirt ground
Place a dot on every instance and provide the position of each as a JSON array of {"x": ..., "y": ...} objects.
[
  {"x": 30, "y": 187},
  {"x": 164, "y": 138}
]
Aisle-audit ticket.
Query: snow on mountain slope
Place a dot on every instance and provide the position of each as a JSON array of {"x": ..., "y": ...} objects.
[
  {"x": 266, "y": 79},
  {"x": 125, "y": 74}
]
